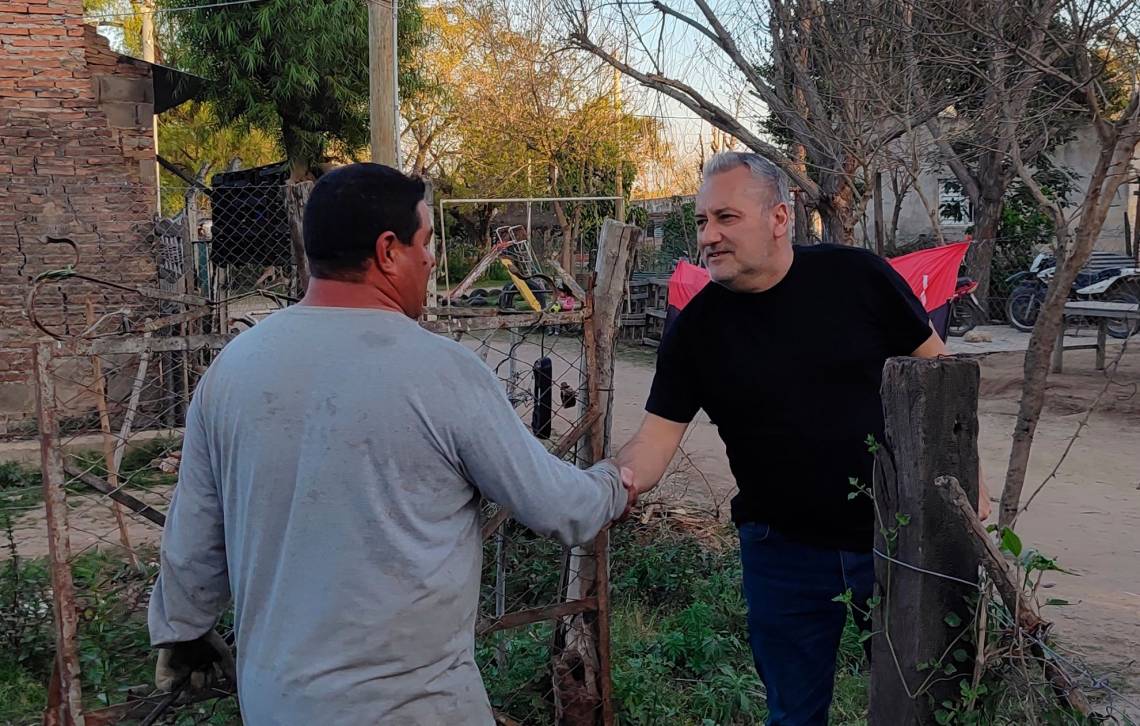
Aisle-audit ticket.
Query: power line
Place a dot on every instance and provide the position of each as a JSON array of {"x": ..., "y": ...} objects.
[{"x": 155, "y": 11}]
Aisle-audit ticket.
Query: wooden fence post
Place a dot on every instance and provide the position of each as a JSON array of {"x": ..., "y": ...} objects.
[
  {"x": 65, "y": 705},
  {"x": 296, "y": 195},
  {"x": 924, "y": 560},
  {"x": 587, "y": 644}
]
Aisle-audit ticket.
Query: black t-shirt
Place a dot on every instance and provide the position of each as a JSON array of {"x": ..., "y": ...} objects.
[{"x": 790, "y": 377}]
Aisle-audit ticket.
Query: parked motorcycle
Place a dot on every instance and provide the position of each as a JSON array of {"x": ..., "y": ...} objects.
[
  {"x": 1107, "y": 277},
  {"x": 966, "y": 313}
]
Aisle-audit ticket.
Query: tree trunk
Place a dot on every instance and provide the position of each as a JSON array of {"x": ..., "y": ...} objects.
[
  {"x": 880, "y": 242},
  {"x": 979, "y": 260},
  {"x": 1103, "y": 184},
  {"x": 838, "y": 219}
]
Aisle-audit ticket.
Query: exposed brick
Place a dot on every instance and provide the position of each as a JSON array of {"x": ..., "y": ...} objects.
[{"x": 65, "y": 171}]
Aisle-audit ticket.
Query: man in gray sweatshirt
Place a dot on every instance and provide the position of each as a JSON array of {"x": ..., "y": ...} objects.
[{"x": 332, "y": 467}]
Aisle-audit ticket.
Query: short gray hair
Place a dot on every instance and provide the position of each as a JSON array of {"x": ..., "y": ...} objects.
[{"x": 770, "y": 176}]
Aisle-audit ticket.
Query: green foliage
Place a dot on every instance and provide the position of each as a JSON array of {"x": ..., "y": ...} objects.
[
  {"x": 20, "y": 486},
  {"x": 294, "y": 68},
  {"x": 680, "y": 233},
  {"x": 191, "y": 137},
  {"x": 679, "y": 638}
]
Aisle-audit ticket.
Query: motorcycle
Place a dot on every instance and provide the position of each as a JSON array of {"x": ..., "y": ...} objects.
[
  {"x": 1107, "y": 277},
  {"x": 966, "y": 313}
]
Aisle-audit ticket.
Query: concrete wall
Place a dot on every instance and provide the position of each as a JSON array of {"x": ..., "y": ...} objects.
[
  {"x": 1079, "y": 155},
  {"x": 77, "y": 161}
]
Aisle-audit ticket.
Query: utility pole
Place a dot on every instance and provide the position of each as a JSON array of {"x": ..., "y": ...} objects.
[
  {"x": 383, "y": 92},
  {"x": 150, "y": 54},
  {"x": 621, "y": 150}
]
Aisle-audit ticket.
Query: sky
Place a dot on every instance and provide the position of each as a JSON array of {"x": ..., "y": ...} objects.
[{"x": 682, "y": 52}]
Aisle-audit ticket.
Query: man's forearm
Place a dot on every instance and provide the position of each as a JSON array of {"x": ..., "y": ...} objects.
[{"x": 651, "y": 449}]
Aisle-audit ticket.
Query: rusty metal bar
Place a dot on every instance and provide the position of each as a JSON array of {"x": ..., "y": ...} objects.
[
  {"x": 494, "y": 322},
  {"x": 602, "y": 582},
  {"x": 137, "y": 506},
  {"x": 536, "y": 615},
  {"x": 70, "y": 711}
]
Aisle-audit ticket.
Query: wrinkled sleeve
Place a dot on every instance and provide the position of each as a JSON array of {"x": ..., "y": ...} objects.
[
  {"x": 512, "y": 468},
  {"x": 193, "y": 587}
]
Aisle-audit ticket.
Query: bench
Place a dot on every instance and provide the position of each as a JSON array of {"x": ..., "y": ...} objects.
[{"x": 1102, "y": 312}]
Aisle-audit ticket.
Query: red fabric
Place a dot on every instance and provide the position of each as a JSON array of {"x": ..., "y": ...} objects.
[
  {"x": 687, "y": 280},
  {"x": 932, "y": 274}
]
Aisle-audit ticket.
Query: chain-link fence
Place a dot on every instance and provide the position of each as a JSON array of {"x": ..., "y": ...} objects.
[
  {"x": 113, "y": 396},
  {"x": 541, "y": 647}
]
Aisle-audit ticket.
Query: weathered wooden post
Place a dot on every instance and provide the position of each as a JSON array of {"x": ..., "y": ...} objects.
[
  {"x": 586, "y": 652},
  {"x": 924, "y": 559},
  {"x": 296, "y": 196}
]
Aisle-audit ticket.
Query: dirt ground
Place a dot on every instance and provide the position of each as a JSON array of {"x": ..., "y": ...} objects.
[{"x": 1088, "y": 516}]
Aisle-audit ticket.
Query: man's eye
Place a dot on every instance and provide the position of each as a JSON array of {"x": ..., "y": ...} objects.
[{"x": 701, "y": 222}]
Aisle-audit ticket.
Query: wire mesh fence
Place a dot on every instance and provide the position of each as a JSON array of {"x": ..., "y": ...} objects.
[{"x": 111, "y": 410}]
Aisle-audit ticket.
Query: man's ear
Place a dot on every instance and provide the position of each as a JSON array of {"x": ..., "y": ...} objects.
[
  {"x": 386, "y": 251},
  {"x": 781, "y": 216}
]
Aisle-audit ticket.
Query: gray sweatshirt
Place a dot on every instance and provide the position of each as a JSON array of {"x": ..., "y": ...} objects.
[{"x": 331, "y": 474}]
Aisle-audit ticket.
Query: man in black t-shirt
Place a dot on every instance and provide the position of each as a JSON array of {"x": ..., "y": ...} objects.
[{"x": 785, "y": 352}]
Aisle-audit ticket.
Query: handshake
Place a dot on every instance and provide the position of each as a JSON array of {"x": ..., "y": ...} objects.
[{"x": 632, "y": 489}]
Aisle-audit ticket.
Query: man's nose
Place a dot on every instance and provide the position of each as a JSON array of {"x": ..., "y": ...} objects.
[{"x": 708, "y": 235}]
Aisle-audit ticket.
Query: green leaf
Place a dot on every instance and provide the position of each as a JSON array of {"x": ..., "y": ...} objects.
[
  {"x": 960, "y": 655},
  {"x": 943, "y": 717},
  {"x": 902, "y": 519},
  {"x": 952, "y": 620},
  {"x": 1010, "y": 542}
]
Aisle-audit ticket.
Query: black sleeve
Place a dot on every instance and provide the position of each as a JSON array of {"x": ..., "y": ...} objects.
[
  {"x": 673, "y": 395},
  {"x": 906, "y": 323}
]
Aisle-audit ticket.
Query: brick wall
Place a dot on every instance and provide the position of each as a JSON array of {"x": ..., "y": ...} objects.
[{"x": 76, "y": 161}]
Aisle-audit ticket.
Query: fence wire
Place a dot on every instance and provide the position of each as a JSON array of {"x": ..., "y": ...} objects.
[{"x": 115, "y": 392}]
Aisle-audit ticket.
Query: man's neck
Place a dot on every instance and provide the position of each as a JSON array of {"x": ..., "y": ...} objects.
[
  {"x": 773, "y": 273},
  {"x": 340, "y": 294}
]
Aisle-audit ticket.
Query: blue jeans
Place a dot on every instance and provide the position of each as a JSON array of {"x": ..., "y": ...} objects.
[{"x": 794, "y": 625}]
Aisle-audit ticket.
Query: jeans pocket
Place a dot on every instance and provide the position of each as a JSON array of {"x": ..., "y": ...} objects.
[{"x": 754, "y": 532}]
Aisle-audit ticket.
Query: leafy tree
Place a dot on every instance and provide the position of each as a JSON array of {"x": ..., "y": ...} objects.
[
  {"x": 503, "y": 113},
  {"x": 296, "y": 68}
]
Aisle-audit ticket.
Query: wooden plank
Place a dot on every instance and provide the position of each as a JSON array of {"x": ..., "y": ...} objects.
[
  {"x": 118, "y": 495},
  {"x": 931, "y": 413},
  {"x": 536, "y": 615},
  {"x": 1090, "y": 309},
  {"x": 502, "y": 322},
  {"x": 136, "y": 345},
  {"x": 568, "y": 280},
  {"x": 108, "y": 440},
  {"x": 655, "y": 313},
  {"x": 463, "y": 311}
]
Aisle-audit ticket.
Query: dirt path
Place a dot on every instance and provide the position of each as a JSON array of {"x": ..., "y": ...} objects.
[{"x": 1088, "y": 517}]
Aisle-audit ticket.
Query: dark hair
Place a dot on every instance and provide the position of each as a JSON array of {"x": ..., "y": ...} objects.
[{"x": 349, "y": 208}]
